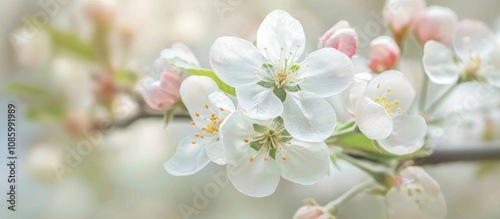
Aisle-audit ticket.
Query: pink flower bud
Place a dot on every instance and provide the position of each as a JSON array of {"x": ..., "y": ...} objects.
[
  {"x": 399, "y": 14},
  {"x": 435, "y": 23},
  {"x": 384, "y": 53},
  {"x": 163, "y": 93},
  {"x": 341, "y": 37},
  {"x": 311, "y": 212}
]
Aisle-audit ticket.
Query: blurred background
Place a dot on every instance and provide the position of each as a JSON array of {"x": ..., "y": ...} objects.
[{"x": 87, "y": 148}]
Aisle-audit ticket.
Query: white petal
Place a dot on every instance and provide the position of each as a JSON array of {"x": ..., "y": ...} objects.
[
  {"x": 372, "y": 119},
  {"x": 221, "y": 104},
  {"x": 473, "y": 38},
  {"x": 439, "y": 64},
  {"x": 234, "y": 130},
  {"x": 306, "y": 162},
  {"x": 180, "y": 50},
  {"x": 399, "y": 205},
  {"x": 235, "y": 61},
  {"x": 259, "y": 178},
  {"x": 280, "y": 31},
  {"x": 308, "y": 117},
  {"x": 329, "y": 72},
  {"x": 216, "y": 153},
  {"x": 399, "y": 86},
  {"x": 407, "y": 136},
  {"x": 189, "y": 158},
  {"x": 194, "y": 93},
  {"x": 259, "y": 102}
]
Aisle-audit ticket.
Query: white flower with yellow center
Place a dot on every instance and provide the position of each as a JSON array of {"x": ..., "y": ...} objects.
[
  {"x": 260, "y": 151},
  {"x": 474, "y": 56},
  {"x": 380, "y": 107},
  {"x": 415, "y": 196},
  {"x": 208, "y": 107},
  {"x": 270, "y": 81}
]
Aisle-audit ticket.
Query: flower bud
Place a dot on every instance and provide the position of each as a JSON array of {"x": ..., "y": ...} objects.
[
  {"x": 399, "y": 14},
  {"x": 163, "y": 93},
  {"x": 435, "y": 23},
  {"x": 102, "y": 12},
  {"x": 312, "y": 212},
  {"x": 341, "y": 37},
  {"x": 384, "y": 53}
]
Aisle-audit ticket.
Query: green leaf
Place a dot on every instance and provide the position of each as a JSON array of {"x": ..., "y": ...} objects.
[
  {"x": 293, "y": 89},
  {"x": 268, "y": 68},
  {"x": 255, "y": 145},
  {"x": 71, "y": 42},
  {"x": 125, "y": 77},
  {"x": 280, "y": 93},
  {"x": 167, "y": 116},
  {"x": 358, "y": 143},
  {"x": 179, "y": 63},
  {"x": 272, "y": 153},
  {"x": 46, "y": 112},
  {"x": 259, "y": 128}
]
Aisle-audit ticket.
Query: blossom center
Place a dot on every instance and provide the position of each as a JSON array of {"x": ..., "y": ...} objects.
[
  {"x": 270, "y": 140},
  {"x": 214, "y": 122},
  {"x": 417, "y": 194},
  {"x": 390, "y": 106}
]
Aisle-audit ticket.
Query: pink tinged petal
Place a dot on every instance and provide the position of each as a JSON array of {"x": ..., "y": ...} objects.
[
  {"x": 399, "y": 14},
  {"x": 308, "y": 117},
  {"x": 258, "y": 178},
  {"x": 384, "y": 54},
  {"x": 156, "y": 97},
  {"x": 399, "y": 205},
  {"x": 310, "y": 212},
  {"x": 372, "y": 119},
  {"x": 259, "y": 102},
  {"x": 407, "y": 136},
  {"x": 344, "y": 40},
  {"x": 189, "y": 158},
  {"x": 235, "y": 130},
  {"x": 473, "y": 38},
  {"x": 436, "y": 23},
  {"x": 235, "y": 61},
  {"x": 395, "y": 87},
  {"x": 302, "y": 162},
  {"x": 327, "y": 72},
  {"x": 439, "y": 64},
  {"x": 342, "y": 24},
  {"x": 216, "y": 153},
  {"x": 179, "y": 50},
  {"x": 170, "y": 81},
  {"x": 279, "y": 35},
  {"x": 194, "y": 93}
]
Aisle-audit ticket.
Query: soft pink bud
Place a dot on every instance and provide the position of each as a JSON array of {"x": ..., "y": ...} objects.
[
  {"x": 341, "y": 37},
  {"x": 384, "y": 53},
  {"x": 163, "y": 93},
  {"x": 399, "y": 14},
  {"x": 435, "y": 23},
  {"x": 311, "y": 212}
]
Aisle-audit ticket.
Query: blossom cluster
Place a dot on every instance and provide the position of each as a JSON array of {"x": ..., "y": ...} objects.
[{"x": 268, "y": 110}]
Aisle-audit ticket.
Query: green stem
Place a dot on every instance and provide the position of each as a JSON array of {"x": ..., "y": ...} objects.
[
  {"x": 423, "y": 97},
  {"x": 334, "y": 205},
  {"x": 379, "y": 173},
  {"x": 438, "y": 102}
]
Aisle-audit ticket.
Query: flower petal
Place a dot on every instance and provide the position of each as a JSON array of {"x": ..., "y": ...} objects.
[
  {"x": 221, "y": 104},
  {"x": 399, "y": 205},
  {"x": 259, "y": 178},
  {"x": 407, "y": 136},
  {"x": 306, "y": 163},
  {"x": 439, "y": 64},
  {"x": 234, "y": 130},
  {"x": 473, "y": 38},
  {"x": 372, "y": 119},
  {"x": 328, "y": 72},
  {"x": 259, "y": 102},
  {"x": 394, "y": 86},
  {"x": 194, "y": 93},
  {"x": 235, "y": 61},
  {"x": 189, "y": 158},
  {"x": 280, "y": 35},
  {"x": 308, "y": 117},
  {"x": 216, "y": 153}
]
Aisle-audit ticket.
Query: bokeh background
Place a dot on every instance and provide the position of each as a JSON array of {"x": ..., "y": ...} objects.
[{"x": 70, "y": 99}]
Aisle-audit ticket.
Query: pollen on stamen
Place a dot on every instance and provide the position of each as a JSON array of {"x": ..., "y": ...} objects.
[
  {"x": 250, "y": 159},
  {"x": 197, "y": 114},
  {"x": 378, "y": 85},
  {"x": 192, "y": 123},
  {"x": 206, "y": 105},
  {"x": 388, "y": 89},
  {"x": 221, "y": 109},
  {"x": 399, "y": 110},
  {"x": 197, "y": 135},
  {"x": 377, "y": 99},
  {"x": 245, "y": 140},
  {"x": 284, "y": 158},
  {"x": 194, "y": 142},
  {"x": 265, "y": 158}
]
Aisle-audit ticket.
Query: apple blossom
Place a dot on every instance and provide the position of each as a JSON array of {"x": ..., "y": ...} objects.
[
  {"x": 270, "y": 82},
  {"x": 341, "y": 37},
  {"x": 399, "y": 14},
  {"x": 435, "y": 23},
  {"x": 472, "y": 57},
  {"x": 262, "y": 150},
  {"x": 384, "y": 54},
  {"x": 160, "y": 88},
  {"x": 380, "y": 107},
  {"x": 415, "y": 196},
  {"x": 312, "y": 212},
  {"x": 208, "y": 106}
]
